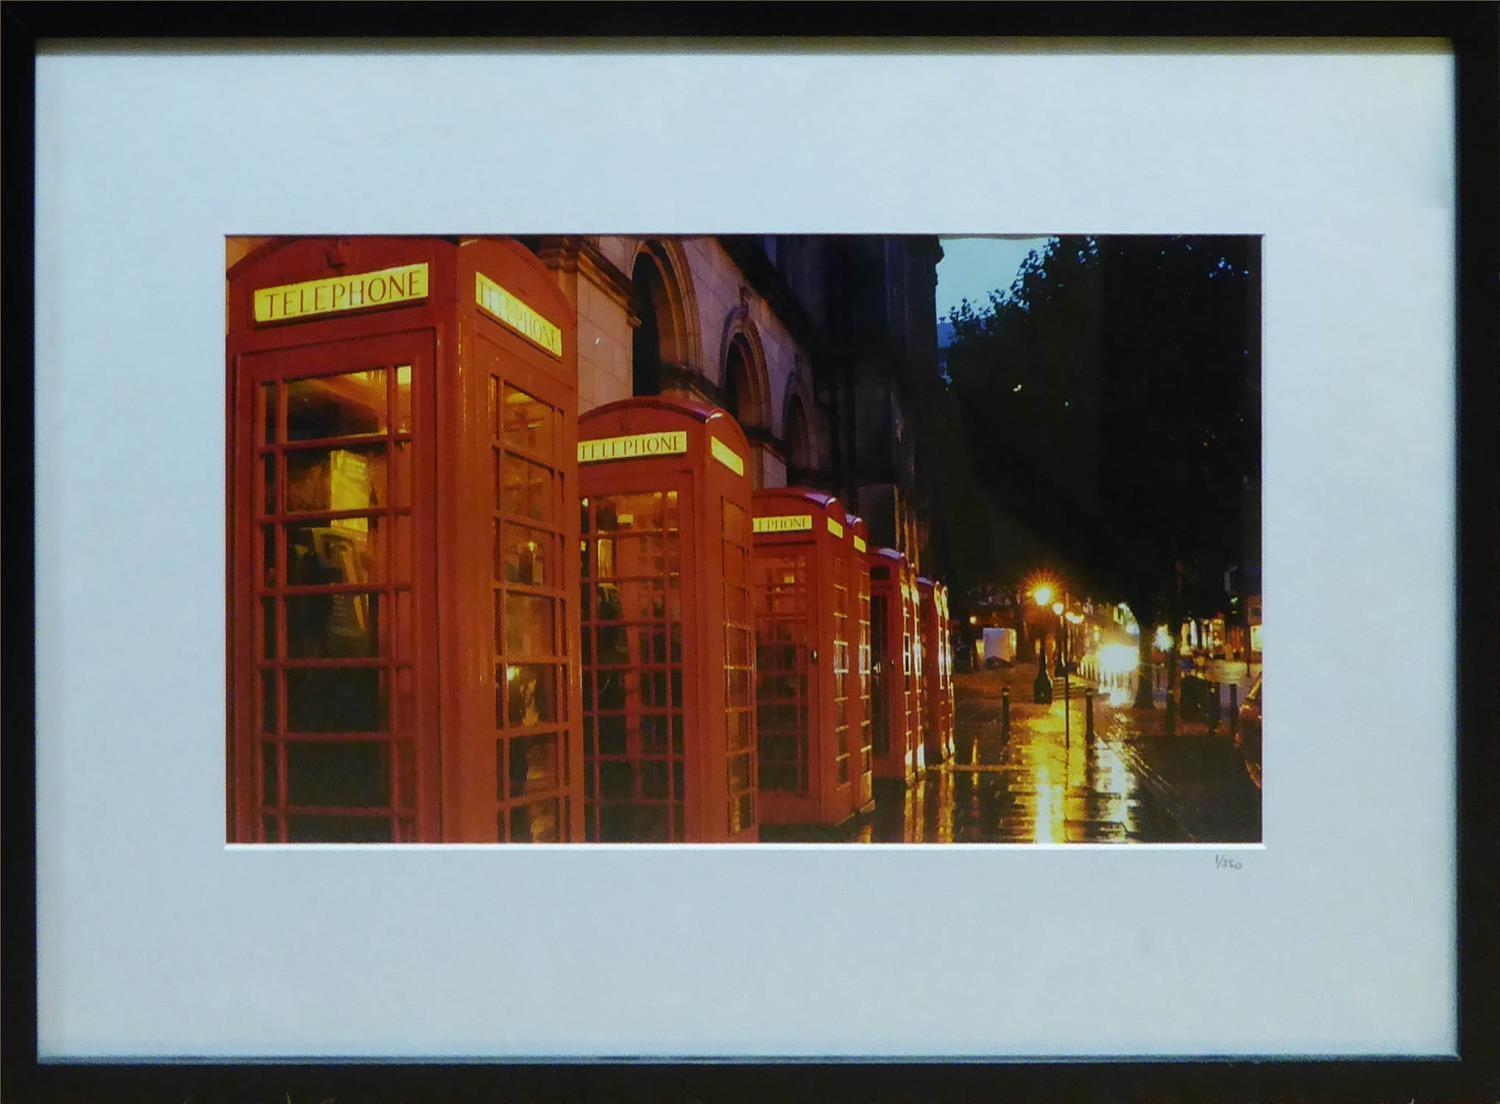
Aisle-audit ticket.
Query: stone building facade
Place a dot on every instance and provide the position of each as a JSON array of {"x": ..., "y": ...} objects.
[{"x": 814, "y": 342}]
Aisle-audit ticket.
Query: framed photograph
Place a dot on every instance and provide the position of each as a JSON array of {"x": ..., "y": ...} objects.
[{"x": 609, "y": 549}]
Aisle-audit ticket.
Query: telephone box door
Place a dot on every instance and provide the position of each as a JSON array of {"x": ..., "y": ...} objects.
[
  {"x": 787, "y": 695},
  {"x": 637, "y": 705},
  {"x": 331, "y": 666}
]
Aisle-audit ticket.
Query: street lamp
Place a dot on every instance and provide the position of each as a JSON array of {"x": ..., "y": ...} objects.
[
  {"x": 1060, "y": 665},
  {"x": 1042, "y": 686},
  {"x": 1074, "y": 618},
  {"x": 1061, "y": 669}
]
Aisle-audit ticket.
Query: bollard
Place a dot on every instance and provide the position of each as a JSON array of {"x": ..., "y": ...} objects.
[
  {"x": 1005, "y": 713},
  {"x": 1212, "y": 706},
  {"x": 1234, "y": 708},
  {"x": 1088, "y": 714}
]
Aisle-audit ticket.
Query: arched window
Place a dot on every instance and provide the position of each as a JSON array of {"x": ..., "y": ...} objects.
[
  {"x": 798, "y": 437},
  {"x": 739, "y": 384},
  {"x": 649, "y": 303},
  {"x": 664, "y": 347}
]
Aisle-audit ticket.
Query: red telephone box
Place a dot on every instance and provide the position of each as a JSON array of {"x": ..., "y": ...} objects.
[
  {"x": 402, "y": 495},
  {"x": 938, "y": 729},
  {"x": 896, "y": 739},
  {"x": 945, "y": 670},
  {"x": 912, "y": 592},
  {"x": 806, "y": 685},
  {"x": 859, "y": 595},
  {"x": 668, "y": 634}
]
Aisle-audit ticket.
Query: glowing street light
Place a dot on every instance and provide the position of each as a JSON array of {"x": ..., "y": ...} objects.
[
  {"x": 1043, "y": 595},
  {"x": 1060, "y": 660}
]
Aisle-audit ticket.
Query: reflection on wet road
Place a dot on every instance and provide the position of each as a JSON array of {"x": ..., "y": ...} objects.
[{"x": 1047, "y": 782}]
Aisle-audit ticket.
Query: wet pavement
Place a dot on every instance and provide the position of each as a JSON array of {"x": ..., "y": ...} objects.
[{"x": 1047, "y": 782}]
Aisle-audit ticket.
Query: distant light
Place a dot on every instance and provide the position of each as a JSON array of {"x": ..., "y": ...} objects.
[
  {"x": 1016, "y": 388},
  {"x": 973, "y": 619},
  {"x": 1163, "y": 640},
  {"x": 1075, "y": 618},
  {"x": 1057, "y": 608},
  {"x": 1133, "y": 629},
  {"x": 1043, "y": 594},
  {"x": 1117, "y": 659}
]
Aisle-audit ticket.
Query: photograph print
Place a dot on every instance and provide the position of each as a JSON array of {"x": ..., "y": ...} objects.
[{"x": 829, "y": 539}]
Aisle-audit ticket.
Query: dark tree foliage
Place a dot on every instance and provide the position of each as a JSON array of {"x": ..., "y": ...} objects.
[{"x": 1110, "y": 398}]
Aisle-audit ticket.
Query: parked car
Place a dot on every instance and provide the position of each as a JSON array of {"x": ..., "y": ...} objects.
[{"x": 1247, "y": 735}]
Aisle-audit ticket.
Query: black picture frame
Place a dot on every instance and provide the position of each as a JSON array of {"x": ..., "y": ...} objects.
[{"x": 1472, "y": 29}]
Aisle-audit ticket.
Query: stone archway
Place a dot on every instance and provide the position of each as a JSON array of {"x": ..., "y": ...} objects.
[
  {"x": 665, "y": 340},
  {"x": 738, "y": 392},
  {"x": 744, "y": 387},
  {"x": 798, "y": 437}
]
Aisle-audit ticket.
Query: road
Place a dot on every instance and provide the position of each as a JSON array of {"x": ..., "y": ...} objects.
[{"x": 1046, "y": 782}]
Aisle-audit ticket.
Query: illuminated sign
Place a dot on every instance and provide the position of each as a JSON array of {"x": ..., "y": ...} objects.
[
  {"x": 633, "y": 447},
  {"x": 786, "y": 523},
  {"x": 859, "y": 543},
  {"x": 337, "y": 294},
  {"x": 504, "y": 307},
  {"x": 726, "y": 456},
  {"x": 835, "y": 528}
]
